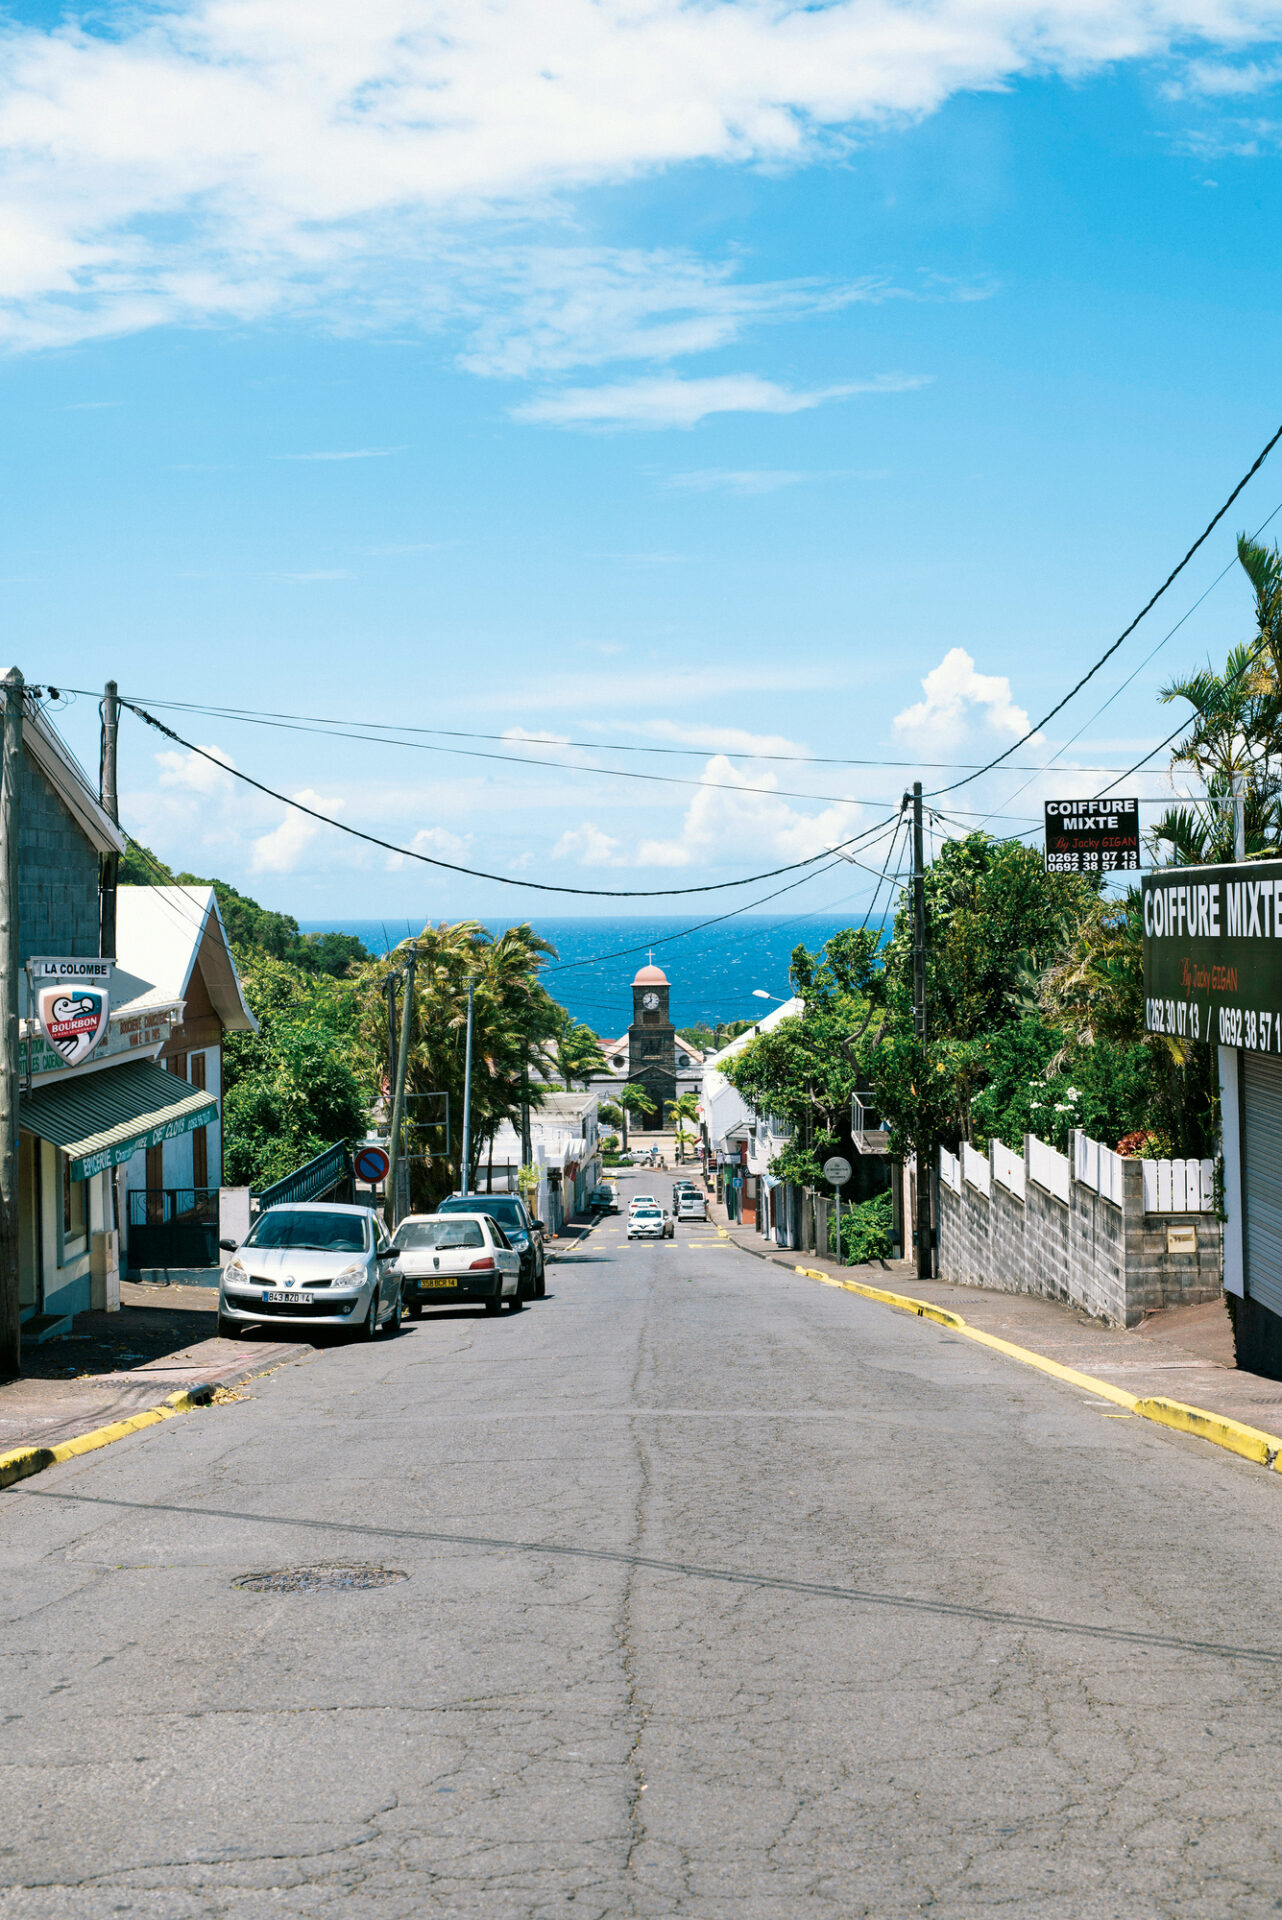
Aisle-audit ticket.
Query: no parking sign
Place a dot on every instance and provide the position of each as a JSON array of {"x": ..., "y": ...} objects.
[{"x": 371, "y": 1165}]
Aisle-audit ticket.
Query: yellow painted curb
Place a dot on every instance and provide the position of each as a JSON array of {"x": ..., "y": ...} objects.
[
  {"x": 22, "y": 1462},
  {"x": 1250, "y": 1442},
  {"x": 1265, "y": 1449}
]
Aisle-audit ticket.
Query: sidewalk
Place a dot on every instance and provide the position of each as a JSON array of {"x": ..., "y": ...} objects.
[
  {"x": 1179, "y": 1353},
  {"x": 114, "y": 1365}
]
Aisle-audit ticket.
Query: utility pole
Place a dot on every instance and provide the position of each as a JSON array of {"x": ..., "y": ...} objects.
[
  {"x": 389, "y": 985},
  {"x": 1239, "y": 816},
  {"x": 109, "y": 866},
  {"x": 392, "y": 1192},
  {"x": 527, "y": 1148},
  {"x": 10, "y": 790},
  {"x": 924, "y": 1260},
  {"x": 465, "y": 1170}
]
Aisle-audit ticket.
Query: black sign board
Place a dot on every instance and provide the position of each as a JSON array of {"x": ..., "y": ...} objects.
[
  {"x": 1213, "y": 954},
  {"x": 1092, "y": 836}
]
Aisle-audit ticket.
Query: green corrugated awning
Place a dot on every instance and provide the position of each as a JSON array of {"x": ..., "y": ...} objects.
[{"x": 100, "y": 1119}]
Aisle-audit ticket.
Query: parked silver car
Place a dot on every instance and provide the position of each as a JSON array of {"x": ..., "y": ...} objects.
[
  {"x": 453, "y": 1259},
  {"x": 316, "y": 1264}
]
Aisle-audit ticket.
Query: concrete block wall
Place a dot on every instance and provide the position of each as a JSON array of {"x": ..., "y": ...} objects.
[
  {"x": 1110, "y": 1261},
  {"x": 57, "y": 874}
]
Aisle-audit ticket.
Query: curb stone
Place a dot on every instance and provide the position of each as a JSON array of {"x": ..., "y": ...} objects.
[{"x": 20, "y": 1463}]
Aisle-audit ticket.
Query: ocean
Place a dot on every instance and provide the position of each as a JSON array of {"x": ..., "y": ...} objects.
[{"x": 713, "y": 972}]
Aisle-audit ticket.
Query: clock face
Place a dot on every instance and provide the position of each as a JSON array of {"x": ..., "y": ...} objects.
[{"x": 649, "y": 1000}]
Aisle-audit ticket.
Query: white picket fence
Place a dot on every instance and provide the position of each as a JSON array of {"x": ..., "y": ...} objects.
[
  {"x": 1008, "y": 1168},
  {"x": 1179, "y": 1186},
  {"x": 976, "y": 1168},
  {"x": 1048, "y": 1168},
  {"x": 1098, "y": 1167},
  {"x": 950, "y": 1169}
]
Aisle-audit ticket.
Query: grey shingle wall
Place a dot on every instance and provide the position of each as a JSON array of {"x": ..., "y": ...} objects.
[
  {"x": 57, "y": 874},
  {"x": 1111, "y": 1261}
]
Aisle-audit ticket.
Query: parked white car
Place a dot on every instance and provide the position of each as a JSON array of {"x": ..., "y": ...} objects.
[
  {"x": 317, "y": 1264},
  {"x": 452, "y": 1259}
]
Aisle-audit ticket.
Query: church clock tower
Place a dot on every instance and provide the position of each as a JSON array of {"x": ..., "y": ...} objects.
[{"x": 652, "y": 1041}]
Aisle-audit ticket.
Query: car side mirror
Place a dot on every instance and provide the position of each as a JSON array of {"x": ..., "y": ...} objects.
[
  {"x": 387, "y": 1253},
  {"x": 539, "y": 1226},
  {"x": 229, "y": 1246}
]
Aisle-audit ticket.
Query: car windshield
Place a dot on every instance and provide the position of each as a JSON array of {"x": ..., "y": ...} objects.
[
  {"x": 309, "y": 1232},
  {"x": 505, "y": 1208},
  {"x": 648, "y": 1213},
  {"x": 415, "y": 1235}
]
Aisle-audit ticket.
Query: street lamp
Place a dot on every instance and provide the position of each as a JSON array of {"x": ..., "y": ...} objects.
[{"x": 759, "y": 993}]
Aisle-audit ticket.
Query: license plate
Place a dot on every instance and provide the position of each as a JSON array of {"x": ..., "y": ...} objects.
[
  {"x": 437, "y": 1280},
  {"x": 284, "y": 1299}
]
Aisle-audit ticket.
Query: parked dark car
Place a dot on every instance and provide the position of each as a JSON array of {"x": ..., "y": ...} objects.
[{"x": 523, "y": 1231}]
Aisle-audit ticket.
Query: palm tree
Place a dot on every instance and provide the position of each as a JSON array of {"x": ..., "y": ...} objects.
[
  {"x": 634, "y": 1099},
  {"x": 685, "y": 1108},
  {"x": 578, "y": 1051}
]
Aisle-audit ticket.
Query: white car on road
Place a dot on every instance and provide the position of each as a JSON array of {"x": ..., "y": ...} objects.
[
  {"x": 691, "y": 1205},
  {"x": 454, "y": 1259},
  {"x": 317, "y": 1264},
  {"x": 649, "y": 1223}
]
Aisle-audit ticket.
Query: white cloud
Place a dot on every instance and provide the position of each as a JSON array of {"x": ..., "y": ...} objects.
[
  {"x": 228, "y": 160},
  {"x": 588, "y": 845},
  {"x": 743, "y": 480},
  {"x": 667, "y": 400},
  {"x": 714, "y": 739},
  {"x": 356, "y": 453},
  {"x": 956, "y": 695},
  {"x": 282, "y": 850},
  {"x": 193, "y": 773},
  {"x": 440, "y": 842},
  {"x": 724, "y": 824}
]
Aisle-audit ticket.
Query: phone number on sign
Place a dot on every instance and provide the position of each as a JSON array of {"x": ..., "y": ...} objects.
[
  {"x": 1182, "y": 1018},
  {"x": 1244, "y": 1027}
]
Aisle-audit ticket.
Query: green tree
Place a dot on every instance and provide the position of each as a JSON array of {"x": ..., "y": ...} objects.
[
  {"x": 578, "y": 1051},
  {"x": 634, "y": 1099},
  {"x": 685, "y": 1110}
]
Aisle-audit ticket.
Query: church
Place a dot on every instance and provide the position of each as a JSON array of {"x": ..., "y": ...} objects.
[{"x": 650, "y": 1054}]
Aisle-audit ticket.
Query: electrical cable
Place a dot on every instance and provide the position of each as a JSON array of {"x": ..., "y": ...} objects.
[
  {"x": 304, "y": 721},
  {"x": 1108, "y": 652},
  {"x": 477, "y": 873}
]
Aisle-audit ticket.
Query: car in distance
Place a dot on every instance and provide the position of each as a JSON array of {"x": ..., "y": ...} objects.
[
  {"x": 450, "y": 1260},
  {"x": 641, "y": 1200},
  {"x": 315, "y": 1264},
  {"x": 647, "y": 1223},
  {"x": 691, "y": 1205},
  {"x": 604, "y": 1199},
  {"x": 524, "y": 1232}
]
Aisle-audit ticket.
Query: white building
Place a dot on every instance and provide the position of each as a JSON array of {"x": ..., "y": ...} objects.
[{"x": 742, "y": 1142}]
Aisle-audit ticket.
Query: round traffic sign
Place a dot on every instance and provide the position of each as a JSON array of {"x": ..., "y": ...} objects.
[
  {"x": 371, "y": 1165},
  {"x": 837, "y": 1171}
]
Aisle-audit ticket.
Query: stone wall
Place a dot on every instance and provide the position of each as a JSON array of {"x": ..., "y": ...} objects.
[
  {"x": 1111, "y": 1261},
  {"x": 57, "y": 874}
]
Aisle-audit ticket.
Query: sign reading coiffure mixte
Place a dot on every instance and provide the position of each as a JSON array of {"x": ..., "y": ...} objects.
[{"x": 1213, "y": 954}]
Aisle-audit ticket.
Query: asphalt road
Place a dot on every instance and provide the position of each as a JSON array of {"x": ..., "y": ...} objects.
[{"x": 726, "y": 1595}]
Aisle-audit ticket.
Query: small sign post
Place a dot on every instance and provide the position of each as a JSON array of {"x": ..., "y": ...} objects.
[
  {"x": 1092, "y": 836},
  {"x": 837, "y": 1172}
]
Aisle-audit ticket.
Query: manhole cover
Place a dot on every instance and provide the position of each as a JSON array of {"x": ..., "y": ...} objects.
[{"x": 318, "y": 1579}]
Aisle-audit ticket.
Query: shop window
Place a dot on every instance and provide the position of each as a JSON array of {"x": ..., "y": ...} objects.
[{"x": 75, "y": 1197}]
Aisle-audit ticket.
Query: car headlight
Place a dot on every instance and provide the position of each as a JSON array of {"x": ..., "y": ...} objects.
[
  {"x": 351, "y": 1276},
  {"x": 519, "y": 1240},
  {"x": 236, "y": 1269}
]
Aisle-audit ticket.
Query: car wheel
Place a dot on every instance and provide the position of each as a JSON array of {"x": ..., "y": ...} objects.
[
  {"x": 541, "y": 1288},
  {"x": 393, "y": 1326},
  {"x": 416, "y": 1313},
  {"x": 495, "y": 1305},
  {"x": 369, "y": 1325},
  {"x": 517, "y": 1303}
]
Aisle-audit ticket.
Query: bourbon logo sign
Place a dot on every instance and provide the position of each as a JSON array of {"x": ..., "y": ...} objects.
[{"x": 73, "y": 1004}]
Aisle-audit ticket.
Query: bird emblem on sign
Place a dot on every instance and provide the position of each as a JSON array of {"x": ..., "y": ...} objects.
[{"x": 73, "y": 1019}]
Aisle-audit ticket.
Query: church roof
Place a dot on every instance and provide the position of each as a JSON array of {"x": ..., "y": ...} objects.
[{"x": 651, "y": 977}]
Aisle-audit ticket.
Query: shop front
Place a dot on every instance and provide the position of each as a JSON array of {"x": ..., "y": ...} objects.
[{"x": 1213, "y": 976}]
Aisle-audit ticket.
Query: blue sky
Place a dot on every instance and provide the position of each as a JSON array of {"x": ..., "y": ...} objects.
[{"x": 707, "y": 377}]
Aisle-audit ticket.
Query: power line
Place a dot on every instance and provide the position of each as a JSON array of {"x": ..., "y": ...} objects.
[
  {"x": 477, "y": 873},
  {"x": 373, "y": 728},
  {"x": 1108, "y": 652}
]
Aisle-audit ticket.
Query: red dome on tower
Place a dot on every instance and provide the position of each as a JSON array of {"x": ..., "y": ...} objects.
[{"x": 651, "y": 977}]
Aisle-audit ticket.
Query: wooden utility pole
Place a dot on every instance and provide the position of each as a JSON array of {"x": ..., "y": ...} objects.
[
  {"x": 925, "y": 1264},
  {"x": 109, "y": 866},
  {"x": 391, "y": 1194},
  {"x": 465, "y": 1171},
  {"x": 527, "y": 1147},
  {"x": 10, "y": 791}
]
